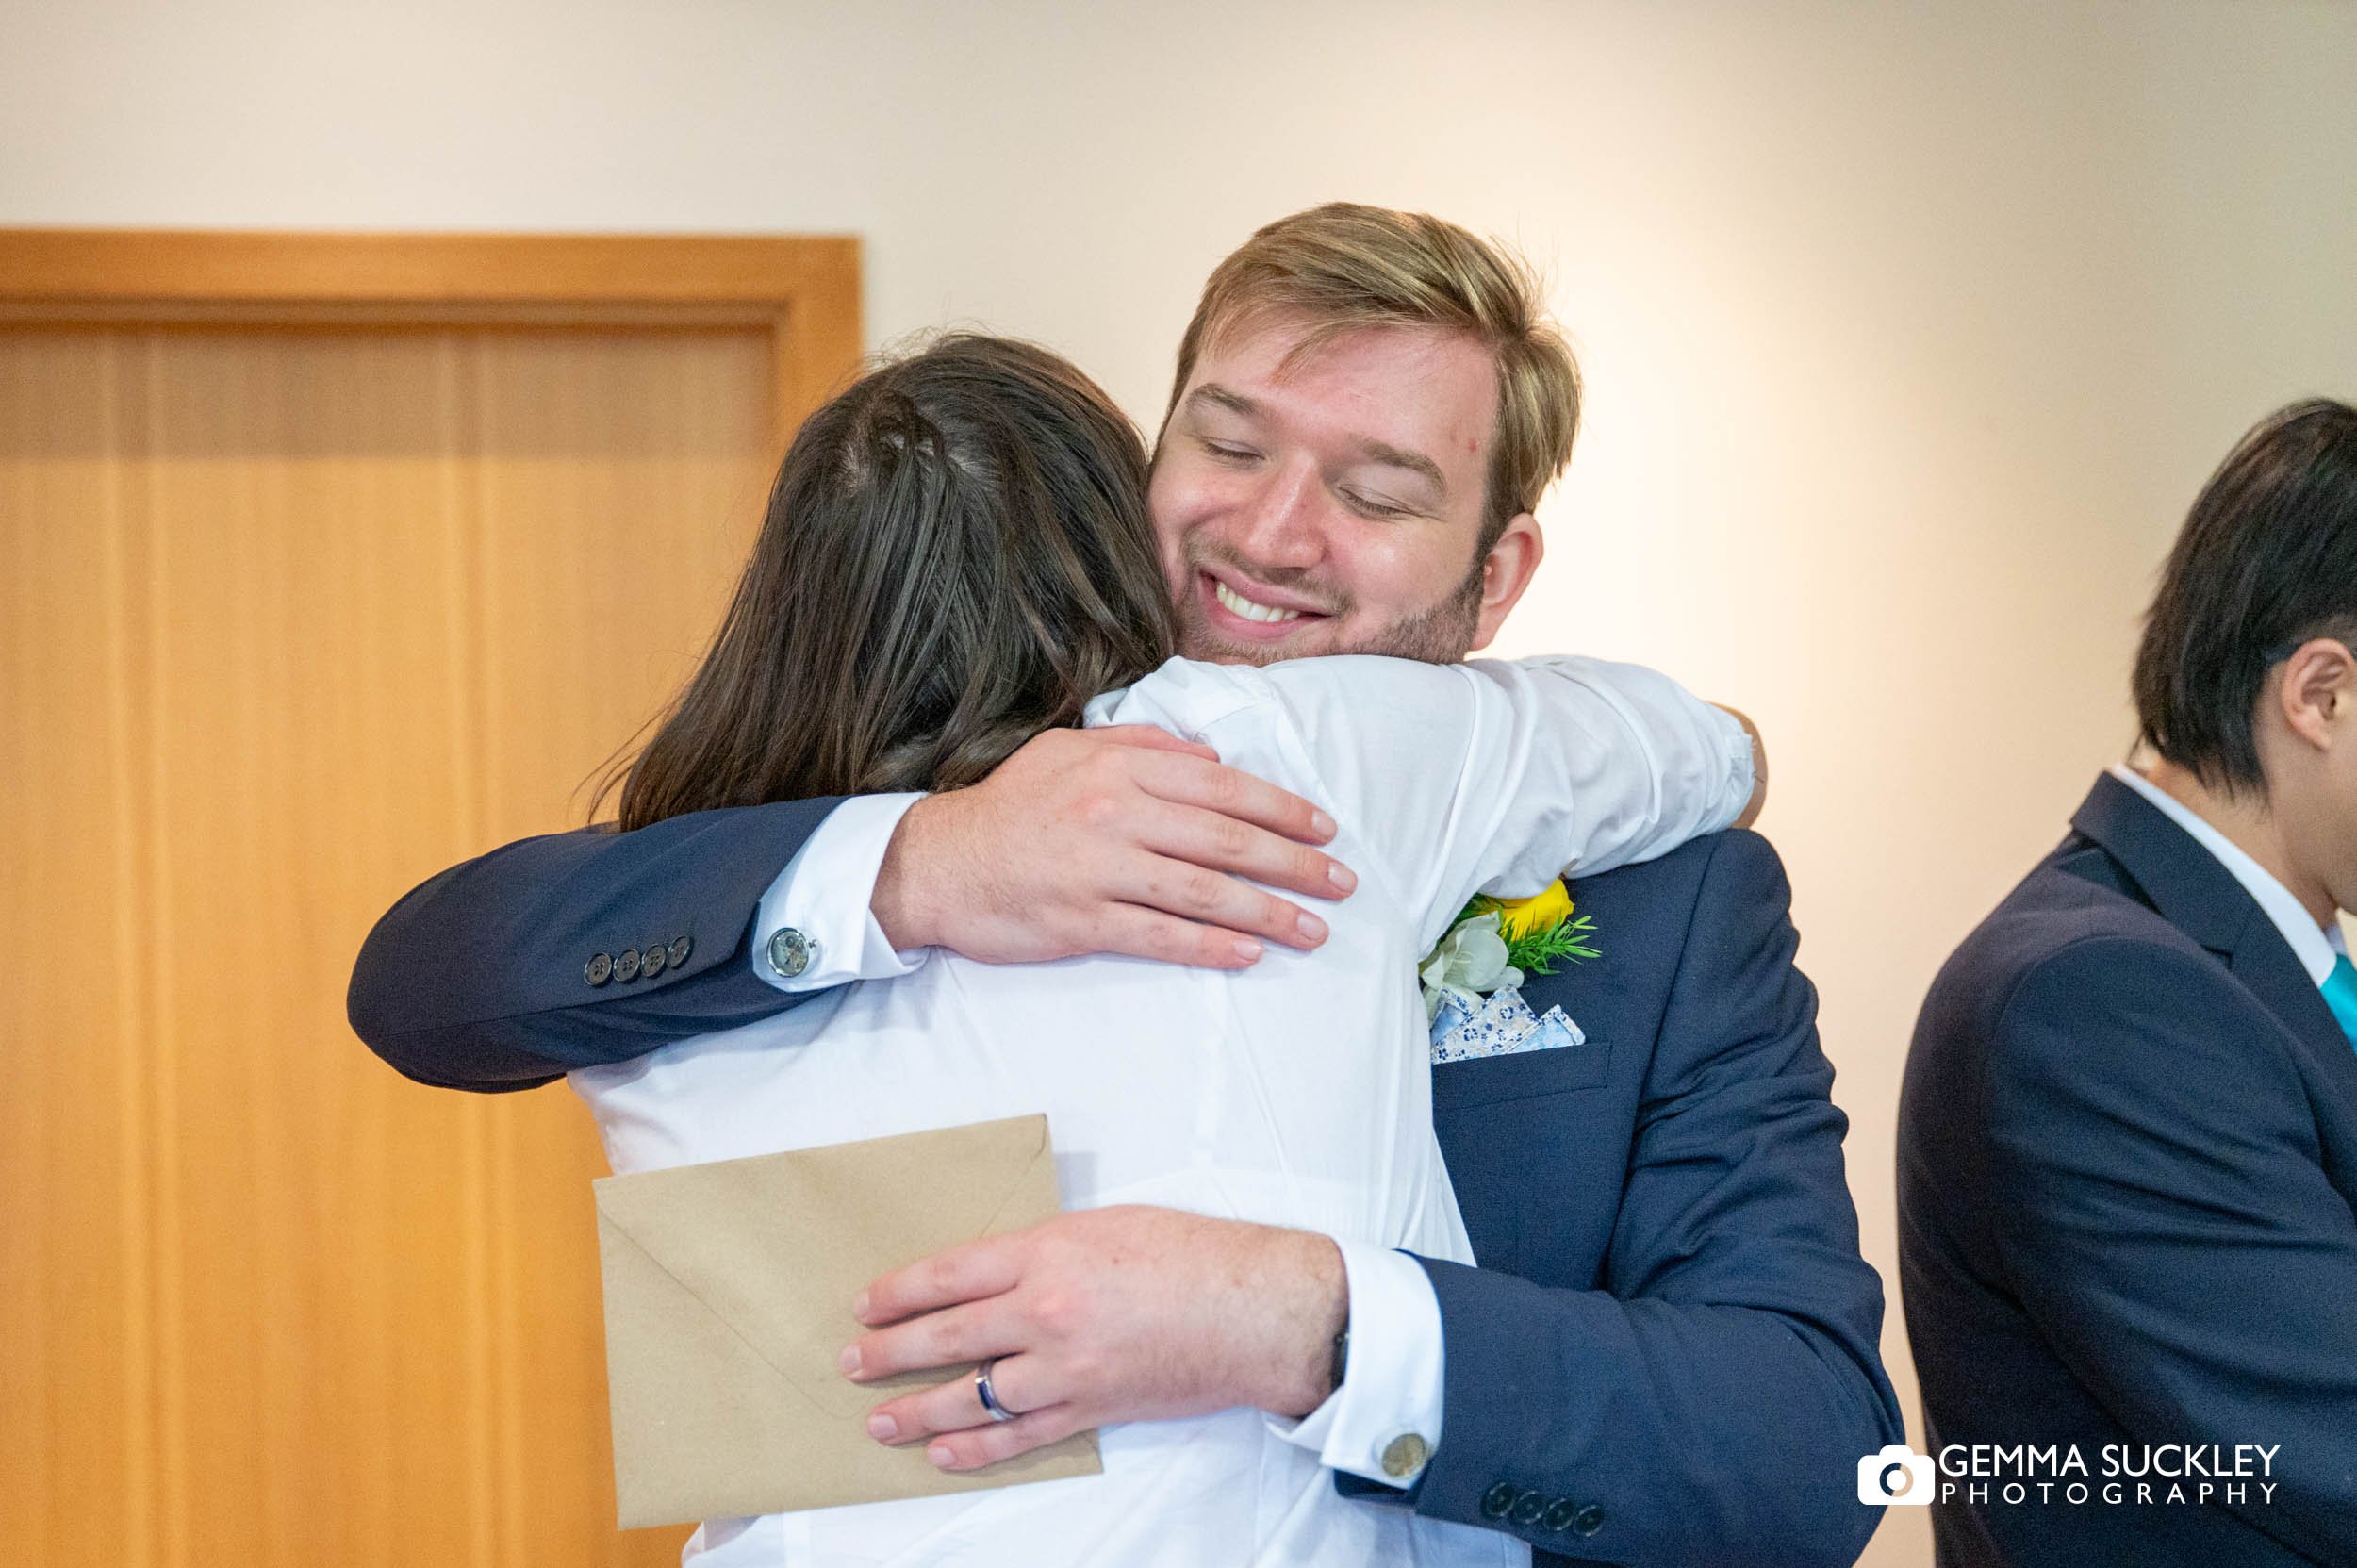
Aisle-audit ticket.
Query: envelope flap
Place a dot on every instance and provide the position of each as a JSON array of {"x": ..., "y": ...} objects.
[{"x": 776, "y": 1244}]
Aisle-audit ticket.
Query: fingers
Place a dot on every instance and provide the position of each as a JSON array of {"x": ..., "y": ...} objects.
[
  {"x": 970, "y": 1272},
  {"x": 955, "y": 1405},
  {"x": 1212, "y": 898},
  {"x": 1136, "y": 932},
  {"x": 1153, "y": 738},
  {"x": 991, "y": 1444},
  {"x": 1217, "y": 842},
  {"x": 1125, "y": 840},
  {"x": 950, "y": 1337},
  {"x": 1174, "y": 912},
  {"x": 1194, "y": 782}
]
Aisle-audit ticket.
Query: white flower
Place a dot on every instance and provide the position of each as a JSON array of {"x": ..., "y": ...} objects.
[{"x": 1469, "y": 963}]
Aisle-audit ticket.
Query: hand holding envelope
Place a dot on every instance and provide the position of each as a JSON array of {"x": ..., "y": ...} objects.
[{"x": 728, "y": 1296}]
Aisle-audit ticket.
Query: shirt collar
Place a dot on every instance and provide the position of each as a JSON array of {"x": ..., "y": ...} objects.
[{"x": 2314, "y": 947}]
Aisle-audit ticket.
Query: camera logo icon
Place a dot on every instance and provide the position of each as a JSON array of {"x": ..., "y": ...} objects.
[{"x": 1896, "y": 1474}]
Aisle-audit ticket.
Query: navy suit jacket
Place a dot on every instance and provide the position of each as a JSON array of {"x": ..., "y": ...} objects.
[
  {"x": 1668, "y": 1354},
  {"x": 2127, "y": 1165}
]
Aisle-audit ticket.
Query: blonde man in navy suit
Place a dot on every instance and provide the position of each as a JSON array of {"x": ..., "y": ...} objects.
[{"x": 1669, "y": 1353}]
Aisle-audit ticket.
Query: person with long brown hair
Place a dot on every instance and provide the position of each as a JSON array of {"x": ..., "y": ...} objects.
[
  {"x": 958, "y": 557},
  {"x": 933, "y": 586}
]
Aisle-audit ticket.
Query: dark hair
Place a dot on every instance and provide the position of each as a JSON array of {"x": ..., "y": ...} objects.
[
  {"x": 957, "y": 556},
  {"x": 2268, "y": 560}
]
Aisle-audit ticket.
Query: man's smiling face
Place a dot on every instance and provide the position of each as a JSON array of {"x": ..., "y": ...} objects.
[{"x": 1330, "y": 501}]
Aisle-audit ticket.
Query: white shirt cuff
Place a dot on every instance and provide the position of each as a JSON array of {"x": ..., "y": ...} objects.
[
  {"x": 1384, "y": 1423},
  {"x": 1742, "y": 770},
  {"x": 814, "y": 928}
]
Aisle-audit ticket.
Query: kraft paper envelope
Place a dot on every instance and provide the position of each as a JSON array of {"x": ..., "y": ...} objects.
[{"x": 728, "y": 1297}]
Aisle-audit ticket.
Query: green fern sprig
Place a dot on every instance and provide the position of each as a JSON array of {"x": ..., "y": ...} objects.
[{"x": 1537, "y": 953}]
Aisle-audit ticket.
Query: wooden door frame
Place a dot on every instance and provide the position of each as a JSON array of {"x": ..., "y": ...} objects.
[{"x": 803, "y": 290}]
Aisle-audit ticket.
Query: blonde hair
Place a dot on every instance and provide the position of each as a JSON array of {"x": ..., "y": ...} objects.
[{"x": 1344, "y": 267}]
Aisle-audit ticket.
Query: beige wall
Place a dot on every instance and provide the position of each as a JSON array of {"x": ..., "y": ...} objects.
[{"x": 1910, "y": 329}]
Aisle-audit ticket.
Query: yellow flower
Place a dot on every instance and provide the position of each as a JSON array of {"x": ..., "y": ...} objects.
[{"x": 1519, "y": 918}]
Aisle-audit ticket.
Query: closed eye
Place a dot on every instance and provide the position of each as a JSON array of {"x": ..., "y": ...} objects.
[
  {"x": 1368, "y": 507},
  {"x": 1229, "y": 452}
]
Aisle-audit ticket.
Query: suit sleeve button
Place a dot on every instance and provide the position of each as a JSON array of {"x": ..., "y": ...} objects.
[
  {"x": 1559, "y": 1517},
  {"x": 1587, "y": 1521},
  {"x": 790, "y": 953},
  {"x": 626, "y": 965},
  {"x": 1499, "y": 1500},
  {"x": 1528, "y": 1509},
  {"x": 651, "y": 963},
  {"x": 599, "y": 969},
  {"x": 679, "y": 950}
]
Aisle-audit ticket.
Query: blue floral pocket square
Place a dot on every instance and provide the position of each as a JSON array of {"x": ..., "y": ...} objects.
[{"x": 1505, "y": 1026}]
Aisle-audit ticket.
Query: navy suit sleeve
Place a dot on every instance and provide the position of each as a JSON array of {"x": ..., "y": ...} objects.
[
  {"x": 475, "y": 979},
  {"x": 1711, "y": 1403},
  {"x": 2164, "y": 1213}
]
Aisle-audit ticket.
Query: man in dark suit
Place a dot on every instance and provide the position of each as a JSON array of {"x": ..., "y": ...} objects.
[
  {"x": 2128, "y": 1141},
  {"x": 1668, "y": 1354}
]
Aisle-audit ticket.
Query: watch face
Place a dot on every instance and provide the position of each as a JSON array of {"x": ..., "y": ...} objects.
[{"x": 790, "y": 953}]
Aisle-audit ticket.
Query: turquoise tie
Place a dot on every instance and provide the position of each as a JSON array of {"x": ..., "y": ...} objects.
[{"x": 2340, "y": 995}]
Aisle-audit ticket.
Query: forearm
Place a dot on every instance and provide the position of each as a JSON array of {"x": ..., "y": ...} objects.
[
  {"x": 1385, "y": 1418},
  {"x": 528, "y": 1050},
  {"x": 1605, "y": 765},
  {"x": 484, "y": 976},
  {"x": 907, "y": 899},
  {"x": 1305, "y": 1304}
]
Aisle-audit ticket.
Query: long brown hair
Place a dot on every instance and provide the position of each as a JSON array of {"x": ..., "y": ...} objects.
[{"x": 957, "y": 556}]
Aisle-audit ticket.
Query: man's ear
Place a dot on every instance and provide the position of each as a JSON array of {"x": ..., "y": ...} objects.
[
  {"x": 2317, "y": 695},
  {"x": 1506, "y": 571}
]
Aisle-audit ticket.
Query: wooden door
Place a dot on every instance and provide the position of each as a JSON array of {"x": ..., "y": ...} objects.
[{"x": 301, "y": 597}]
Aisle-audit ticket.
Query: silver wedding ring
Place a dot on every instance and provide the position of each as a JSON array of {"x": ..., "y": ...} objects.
[{"x": 989, "y": 1397}]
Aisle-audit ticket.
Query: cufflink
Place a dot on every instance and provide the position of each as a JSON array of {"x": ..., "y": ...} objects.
[
  {"x": 1405, "y": 1454},
  {"x": 790, "y": 953}
]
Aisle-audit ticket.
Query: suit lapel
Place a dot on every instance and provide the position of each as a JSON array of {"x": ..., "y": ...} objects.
[{"x": 2200, "y": 897}]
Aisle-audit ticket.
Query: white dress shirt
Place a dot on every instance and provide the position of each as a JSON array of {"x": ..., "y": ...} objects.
[
  {"x": 1296, "y": 1092},
  {"x": 2315, "y": 946}
]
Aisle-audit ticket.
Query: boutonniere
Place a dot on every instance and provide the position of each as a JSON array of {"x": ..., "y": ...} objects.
[{"x": 1495, "y": 941}]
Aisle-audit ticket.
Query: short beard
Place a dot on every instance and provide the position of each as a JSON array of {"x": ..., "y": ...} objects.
[{"x": 1441, "y": 634}]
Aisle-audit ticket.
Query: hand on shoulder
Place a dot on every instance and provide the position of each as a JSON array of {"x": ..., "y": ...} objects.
[{"x": 1117, "y": 840}]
